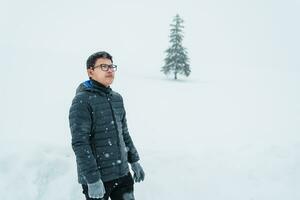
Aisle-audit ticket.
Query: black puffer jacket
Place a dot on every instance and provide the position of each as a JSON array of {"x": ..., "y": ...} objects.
[{"x": 100, "y": 138}]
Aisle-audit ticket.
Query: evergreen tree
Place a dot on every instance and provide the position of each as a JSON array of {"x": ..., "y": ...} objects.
[{"x": 177, "y": 60}]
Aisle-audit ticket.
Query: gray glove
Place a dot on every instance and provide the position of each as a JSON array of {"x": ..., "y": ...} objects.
[
  {"x": 139, "y": 174},
  {"x": 96, "y": 190}
]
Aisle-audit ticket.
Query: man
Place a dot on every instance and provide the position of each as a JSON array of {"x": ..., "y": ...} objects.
[{"x": 100, "y": 137}]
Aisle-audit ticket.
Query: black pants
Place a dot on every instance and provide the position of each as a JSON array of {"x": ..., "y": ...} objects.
[{"x": 118, "y": 189}]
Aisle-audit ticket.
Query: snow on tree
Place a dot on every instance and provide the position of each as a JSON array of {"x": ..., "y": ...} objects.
[{"x": 176, "y": 61}]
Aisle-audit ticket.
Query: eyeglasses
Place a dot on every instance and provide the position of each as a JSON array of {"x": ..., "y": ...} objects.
[{"x": 106, "y": 67}]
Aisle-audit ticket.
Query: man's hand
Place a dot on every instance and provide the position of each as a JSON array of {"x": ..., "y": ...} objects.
[
  {"x": 96, "y": 190},
  {"x": 139, "y": 174}
]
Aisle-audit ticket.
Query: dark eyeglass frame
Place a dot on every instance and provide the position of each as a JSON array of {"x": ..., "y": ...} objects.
[{"x": 105, "y": 67}]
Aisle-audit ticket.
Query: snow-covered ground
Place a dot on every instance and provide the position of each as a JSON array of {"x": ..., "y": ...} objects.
[{"x": 198, "y": 139}]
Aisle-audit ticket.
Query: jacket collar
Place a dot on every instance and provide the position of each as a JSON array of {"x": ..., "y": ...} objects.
[{"x": 96, "y": 86}]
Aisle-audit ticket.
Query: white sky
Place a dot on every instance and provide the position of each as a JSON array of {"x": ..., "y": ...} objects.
[{"x": 233, "y": 32}]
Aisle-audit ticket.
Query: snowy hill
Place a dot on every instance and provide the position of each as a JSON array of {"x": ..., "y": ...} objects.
[{"x": 198, "y": 139}]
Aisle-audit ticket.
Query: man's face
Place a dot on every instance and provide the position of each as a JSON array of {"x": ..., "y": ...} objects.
[{"x": 97, "y": 74}]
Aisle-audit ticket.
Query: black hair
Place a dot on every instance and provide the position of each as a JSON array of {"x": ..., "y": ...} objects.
[{"x": 92, "y": 58}]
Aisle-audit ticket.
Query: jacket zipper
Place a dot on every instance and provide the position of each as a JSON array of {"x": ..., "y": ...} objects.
[{"x": 115, "y": 124}]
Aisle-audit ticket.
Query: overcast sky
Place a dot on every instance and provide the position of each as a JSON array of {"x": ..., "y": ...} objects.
[{"x": 217, "y": 32}]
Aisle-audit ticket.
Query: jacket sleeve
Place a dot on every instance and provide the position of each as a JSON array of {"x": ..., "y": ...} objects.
[
  {"x": 80, "y": 121},
  {"x": 133, "y": 155}
]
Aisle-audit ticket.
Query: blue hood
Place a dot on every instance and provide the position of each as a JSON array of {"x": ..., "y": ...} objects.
[{"x": 92, "y": 85}]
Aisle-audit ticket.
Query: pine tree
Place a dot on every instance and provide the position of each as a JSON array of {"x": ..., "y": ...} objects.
[{"x": 177, "y": 60}]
